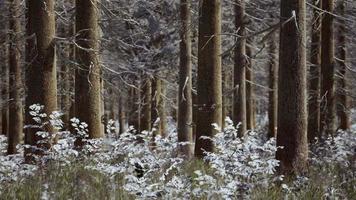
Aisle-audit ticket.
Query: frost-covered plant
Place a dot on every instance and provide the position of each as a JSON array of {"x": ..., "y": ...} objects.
[{"x": 239, "y": 164}]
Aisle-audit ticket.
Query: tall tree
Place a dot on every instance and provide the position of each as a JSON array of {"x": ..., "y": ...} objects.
[
  {"x": 209, "y": 75},
  {"x": 185, "y": 106},
  {"x": 146, "y": 100},
  {"x": 87, "y": 80},
  {"x": 15, "y": 103},
  {"x": 273, "y": 84},
  {"x": 41, "y": 78},
  {"x": 5, "y": 96},
  {"x": 122, "y": 115},
  {"x": 314, "y": 85},
  {"x": 250, "y": 106},
  {"x": 327, "y": 69},
  {"x": 343, "y": 97},
  {"x": 239, "y": 105},
  {"x": 292, "y": 97}
]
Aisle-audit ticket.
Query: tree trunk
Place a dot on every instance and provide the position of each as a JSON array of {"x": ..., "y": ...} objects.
[
  {"x": 292, "y": 97},
  {"x": 5, "y": 97},
  {"x": 327, "y": 70},
  {"x": 209, "y": 75},
  {"x": 15, "y": 103},
  {"x": 239, "y": 108},
  {"x": 133, "y": 114},
  {"x": 145, "y": 113},
  {"x": 122, "y": 115},
  {"x": 185, "y": 105},
  {"x": 41, "y": 79},
  {"x": 155, "y": 115},
  {"x": 273, "y": 84},
  {"x": 343, "y": 97},
  {"x": 162, "y": 110},
  {"x": 87, "y": 81},
  {"x": 249, "y": 90},
  {"x": 314, "y": 86}
]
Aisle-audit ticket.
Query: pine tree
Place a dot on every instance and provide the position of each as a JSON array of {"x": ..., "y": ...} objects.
[
  {"x": 314, "y": 86},
  {"x": 185, "y": 107},
  {"x": 209, "y": 75},
  {"x": 273, "y": 84},
  {"x": 239, "y": 106},
  {"x": 87, "y": 79},
  {"x": 292, "y": 97},
  {"x": 41, "y": 78},
  {"x": 15, "y": 103},
  {"x": 327, "y": 108}
]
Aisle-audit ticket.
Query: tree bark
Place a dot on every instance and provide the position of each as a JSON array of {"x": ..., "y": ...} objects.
[
  {"x": 273, "y": 85},
  {"x": 250, "y": 120},
  {"x": 15, "y": 103},
  {"x": 122, "y": 115},
  {"x": 314, "y": 86},
  {"x": 292, "y": 97},
  {"x": 209, "y": 75},
  {"x": 5, "y": 97},
  {"x": 145, "y": 113},
  {"x": 185, "y": 103},
  {"x": 133, "y": 114},
  {"x": 327, "y": 123},
  {"x": 239, "y": 107},
  {"x": 41, "y": 79},
  {"x": 343, "y": 97},
  {"x": 87, "y": 81}
]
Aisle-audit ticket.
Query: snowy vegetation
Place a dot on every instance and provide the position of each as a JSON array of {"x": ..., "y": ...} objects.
[{"x": 133, "y": 166}]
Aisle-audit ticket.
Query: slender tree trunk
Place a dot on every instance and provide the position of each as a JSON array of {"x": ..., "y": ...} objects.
[
  {"x": 314, "y": 86},
  {"x": 66, "y": 79},
  {"x": 273, "y": 85},
  {"x": 209, "y": 75},
  {"x": 156, "y": 96},
  {"x": 239, "y": 110},
  {"x": 145, "y": 113},
  {"x": 292, "y": 96},
  {"x": 5, "y": 97},
  {"x": 133, "y": 114},
  {"x": 87, "y": 81},
  {"x": 15, "y": 103},
  {"x": 122, "y": 115},
  {"x": 185, "y": 105},
  {"x": 162, "y": 110},
  {"x": 249, "y": 89},
  {"x": 327, "y": 70},
  {"x": 343, "y": 97},
  {"x": 41, "y": 79}
]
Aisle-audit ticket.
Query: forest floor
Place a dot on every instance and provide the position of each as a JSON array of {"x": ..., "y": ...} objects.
[{"x": 120, "y": 168}]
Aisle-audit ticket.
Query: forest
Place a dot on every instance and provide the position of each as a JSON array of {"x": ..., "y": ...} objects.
[{"x": 177, "y": 99}]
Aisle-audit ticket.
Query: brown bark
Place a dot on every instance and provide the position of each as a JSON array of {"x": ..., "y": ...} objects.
[
  {"x": 185, "y": 104},
  {"x": 122, "y": 115},
  {"x": 145, "y": 111},
  {"x": 5, "y": 98},
  {"x": 41, "y": 79},
  {"x": 239, "y": 106},
  {"x": 250, "y": 120},
  {"x": 162, "y": 110},
  {"x": 314, "y": 84},
  {"x": 273, "y": 85},
  {"x": 87, "y": 81},
  {"x": 156, "y": 96},
  {"x": 209, "y": 75},
  {"x": 292, "y": 97},
  {"x": 133, "y": 114},
  {"x": 343, "y": 97},
  {"x": 327, "y": 123},
  {"x": 15, "y": 103}
]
